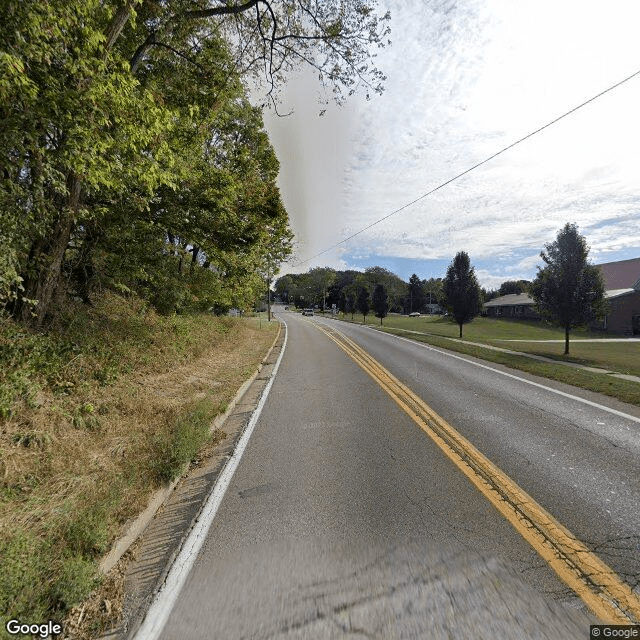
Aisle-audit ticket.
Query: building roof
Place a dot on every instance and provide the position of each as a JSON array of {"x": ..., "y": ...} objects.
[
  {"x": 616, "y": 293},
  {"x": 624, "y": 274},
  {"x": 510, "y": 300},
  {"x": 516, "y": 299}
]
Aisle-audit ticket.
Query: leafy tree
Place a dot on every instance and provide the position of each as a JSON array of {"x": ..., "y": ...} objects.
[
  {"x": 362, "y": 302},
  {"x": 513, "y": 286},
  {"x": 284, "y": 287},
  {"x": 380, "y": 303},
  {"x": 489, "y": 294},
  {"x": 271, "y": 38},
  {"x": 320, "y": 279},
  {"x": 433, "y": 291},
  {"x": 396, "y": 287},
  {"x": 350, "y": 301},
  {"x": 569, "y": 290},
  {"x": 336, "y": 292},
  {"x": 108, "y": 106},
  {"x": 462, "y": 290}
]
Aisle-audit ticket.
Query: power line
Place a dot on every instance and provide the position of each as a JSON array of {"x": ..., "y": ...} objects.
[{"x": 475, "y": 166}]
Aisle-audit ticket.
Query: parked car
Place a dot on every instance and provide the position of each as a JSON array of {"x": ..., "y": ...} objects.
[
  {"x": 307, "y": 312},
  {"x": 415, "y": 314}
]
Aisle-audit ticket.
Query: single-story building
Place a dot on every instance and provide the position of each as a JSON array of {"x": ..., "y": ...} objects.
[
  {"x": 622, "y": 284},
  {"x": 514, "y": 305},
  {"x": 624, "y": 312},
  {"x": 622, "y": 291}
]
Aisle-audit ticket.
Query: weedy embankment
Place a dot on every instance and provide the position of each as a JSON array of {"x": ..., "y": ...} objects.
[{"x": 94, "y": 416}]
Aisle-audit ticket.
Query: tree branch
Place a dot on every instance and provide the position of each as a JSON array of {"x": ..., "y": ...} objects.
[
  {"x": 221, "y": 11},
  {"x": 117, "y": 24},
  {"x": 140, "y": 51},
  {"x": 180, "y": 54}
]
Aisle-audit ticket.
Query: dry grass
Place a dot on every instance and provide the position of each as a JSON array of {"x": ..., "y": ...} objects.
[{"x": 83, "y": 445}]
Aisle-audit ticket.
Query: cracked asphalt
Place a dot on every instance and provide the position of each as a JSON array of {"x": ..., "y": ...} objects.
[{"x": 344, "y": 520}]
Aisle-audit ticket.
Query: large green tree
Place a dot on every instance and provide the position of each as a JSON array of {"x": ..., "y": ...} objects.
[
  {"x": 514, "y": 286},
  {"x": 568, "y": 290},
  {"x": 349, "y": 304},
  {"x": 394, "y": 285},
  {"x": 461, "y": 290},
  {"x": 108, "y": 124},
  {"x": 320, "y": 280}
]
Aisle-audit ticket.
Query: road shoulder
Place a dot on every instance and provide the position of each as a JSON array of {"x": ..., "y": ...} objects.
[{"x": 148, "y": 554}]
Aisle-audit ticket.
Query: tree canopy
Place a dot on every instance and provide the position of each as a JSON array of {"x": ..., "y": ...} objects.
[
  {"x": 568, "y": 290},
  {"x": 514, "y": 286},
  {"x": 461, "y": 290},
  {"x": 416, "y": 294},
  {"x": 130, "y": 155}
]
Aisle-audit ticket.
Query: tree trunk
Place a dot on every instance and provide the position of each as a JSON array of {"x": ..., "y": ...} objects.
[
  {"x": 117, "y": 25},
  {"x": 380, "y": 320},
  {"x": 45, "y": 287},
  {"x": 83, "y": 271},
  {"x": 461, "y": 331},
  {"x": 48, "y": 280},
  {"x": 194, "y": 258},
  {"x": 182, "y": 249},
  {"x": 566, "y": 341}
]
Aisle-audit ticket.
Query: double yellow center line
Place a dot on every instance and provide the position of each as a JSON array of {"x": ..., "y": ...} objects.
[{"x": 610, "y": 599}]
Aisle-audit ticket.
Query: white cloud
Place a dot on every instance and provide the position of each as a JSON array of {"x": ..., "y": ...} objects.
[{"x": 466, "y": 79}]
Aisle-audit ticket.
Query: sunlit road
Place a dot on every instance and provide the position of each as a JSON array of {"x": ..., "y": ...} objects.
[{"x": 344, "y": 519}]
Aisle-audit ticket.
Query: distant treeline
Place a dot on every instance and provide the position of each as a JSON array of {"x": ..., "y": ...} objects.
[{"x": 331, "y": 286}]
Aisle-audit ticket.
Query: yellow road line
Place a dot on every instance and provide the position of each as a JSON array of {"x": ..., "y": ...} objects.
[{"x": 598, "y": 585}]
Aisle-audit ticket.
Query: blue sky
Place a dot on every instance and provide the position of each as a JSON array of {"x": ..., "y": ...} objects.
[{"x": 465, "y": 79}]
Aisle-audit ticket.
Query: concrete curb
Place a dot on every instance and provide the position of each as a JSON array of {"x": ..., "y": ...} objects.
[{"x": 137, "y": 527}]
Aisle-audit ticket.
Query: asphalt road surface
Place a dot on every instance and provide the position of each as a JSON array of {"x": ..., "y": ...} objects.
[{"x": 345, "y": 520}]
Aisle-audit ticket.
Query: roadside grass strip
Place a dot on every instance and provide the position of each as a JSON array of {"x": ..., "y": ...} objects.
[
  {"x": 624, "y": 390},
  {"x": 602, "y": 590}
]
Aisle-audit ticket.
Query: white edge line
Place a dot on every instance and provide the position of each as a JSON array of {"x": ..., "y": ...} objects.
[
  {"x": 165, "y": 599},
  {"x": 510, "y": 375}
]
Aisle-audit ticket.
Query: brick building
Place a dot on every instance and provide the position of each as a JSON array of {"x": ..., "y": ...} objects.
[{"x": 622, "y": 291}]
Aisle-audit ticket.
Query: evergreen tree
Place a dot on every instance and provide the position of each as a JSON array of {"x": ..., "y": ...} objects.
[
  {"x": 380, "y": 302},
  {"x": 416, "y": 294},
  {"x": 362, "y": 302},
  {"x": 462, "y": 290}
]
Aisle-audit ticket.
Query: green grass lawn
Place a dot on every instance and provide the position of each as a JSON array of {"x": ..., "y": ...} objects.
[
  {"x": 484, "y": 329},
  {"x": 620, "y": 357}
]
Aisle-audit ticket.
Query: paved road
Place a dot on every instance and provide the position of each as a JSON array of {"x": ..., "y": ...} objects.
[{"x": 345, "y": 520}]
